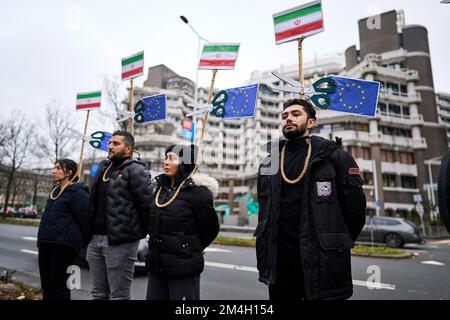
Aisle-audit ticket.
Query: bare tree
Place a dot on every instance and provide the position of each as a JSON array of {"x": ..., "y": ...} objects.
[
  {"x": 15, "y": 150},
  {"x": 114, "y": 98},
  {"x": 56, "y": 142}
]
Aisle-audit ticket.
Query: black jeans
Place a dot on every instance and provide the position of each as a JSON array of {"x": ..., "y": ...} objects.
[
  {"x": 54, "y": 259},
  {"x": 166, "y": 288},
  {"x": 289, "y": 283}
]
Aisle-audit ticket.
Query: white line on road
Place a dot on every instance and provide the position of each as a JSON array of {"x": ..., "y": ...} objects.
[
  {"x": 30, "y": 238},
  {"x": 29, "y": 251},
  {"x": 366, "y": 284},
  {"x": 217, "y": 250},
  {"x": 433, "y": 263}
]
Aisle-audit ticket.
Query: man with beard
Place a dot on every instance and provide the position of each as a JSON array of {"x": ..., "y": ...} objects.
[
  {"x": 311, "y": 210},
  {"x": 119, "y": 208}
]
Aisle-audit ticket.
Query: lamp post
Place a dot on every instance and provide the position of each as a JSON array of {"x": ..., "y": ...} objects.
[{"x": 185, "y": 20}]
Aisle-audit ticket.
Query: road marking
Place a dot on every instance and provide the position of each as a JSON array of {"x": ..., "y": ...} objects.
[
  {"x": 366, "y": 284},
  {"x": 30, "y": 238},
  {"x": 217, "y": 250},
  {"x": 230, "y": 266},
  {"x": 374, "y": 285},
  {"x": 433, "y": 263},
  {"x": 29, "y": 251}
]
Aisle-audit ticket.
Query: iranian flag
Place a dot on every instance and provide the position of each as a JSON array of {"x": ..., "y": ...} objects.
[
  {"x": 89, "y": 100},
  {"x": 133, "y": 66},
  {"x": 302, "y": 21},
  {"x": 221, "y": 56}
]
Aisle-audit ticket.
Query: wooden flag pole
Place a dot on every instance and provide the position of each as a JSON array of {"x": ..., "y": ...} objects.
[
  {"x": 301, "y": 77},
  {"x": 80, "y": 162},
  {"x": 131, "y": 106},
  {"x": 205, "y": 120}
]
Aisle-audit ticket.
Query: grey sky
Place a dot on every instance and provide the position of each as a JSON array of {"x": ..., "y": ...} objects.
[{"x": 54, "y": 49}]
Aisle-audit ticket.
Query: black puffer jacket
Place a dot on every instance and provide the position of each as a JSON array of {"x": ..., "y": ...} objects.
[
  {"x": 444, "y": 190},
  {"x": 128, "y": 202},
  {"x": 181, "y": 231},
  {"x": 65, "y": 219},
  {"x": 333, "y": 215}
]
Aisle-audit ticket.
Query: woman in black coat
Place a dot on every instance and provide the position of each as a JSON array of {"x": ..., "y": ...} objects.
[
  {"x": 61, "y": 230},
  {"x": 183, "y": 222}
]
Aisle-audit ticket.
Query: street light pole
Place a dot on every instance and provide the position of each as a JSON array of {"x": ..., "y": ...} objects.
[{"x": 185, "y": 20}]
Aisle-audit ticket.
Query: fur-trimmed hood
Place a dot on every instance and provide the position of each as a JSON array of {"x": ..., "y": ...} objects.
[
  {"x": 200, "y": 179},
  {"x": 197, "y": 179}
]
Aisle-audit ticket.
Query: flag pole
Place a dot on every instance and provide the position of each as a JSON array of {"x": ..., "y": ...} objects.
[
  {"x": 80, "y": 162},
  {"x": 131, "y": 106},
  {"x": 301, "y": 77},
  {"x": 205, "y": 120}
]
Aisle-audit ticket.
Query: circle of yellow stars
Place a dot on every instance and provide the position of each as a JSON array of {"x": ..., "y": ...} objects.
[
  {"x": 363, "y": 97},
  {"x": 234, "y": 108},
  {"x": 148, "y": 112}
]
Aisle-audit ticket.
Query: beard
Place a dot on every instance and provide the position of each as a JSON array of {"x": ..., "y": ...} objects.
[
  {"x": 293, "y": 134},
  {"x": 117, "y": 156}
]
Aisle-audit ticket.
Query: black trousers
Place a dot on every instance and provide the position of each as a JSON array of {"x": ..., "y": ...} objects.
[
  {"x": 54, "y": 259},
  {"x": 167, "y": 288},
  {"x": 289, "y": 283}
]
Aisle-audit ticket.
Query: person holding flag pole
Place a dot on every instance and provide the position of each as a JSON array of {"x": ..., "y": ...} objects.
[{"x": 310, "y": 196}]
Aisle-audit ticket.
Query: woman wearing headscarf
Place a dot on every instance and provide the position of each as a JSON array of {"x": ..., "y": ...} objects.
[
  {"x": 183, "y": 222},
  {"x": 61, "y": 230}
]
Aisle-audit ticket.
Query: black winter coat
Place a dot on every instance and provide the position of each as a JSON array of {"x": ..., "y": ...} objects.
[
  {"x": 444, "y": 190},
  {"x": 128, "y": 202},
  {"x": 181, "y": 231},
  {"x": 330, "y": 221},
  {"x": 65, "y": 219}
]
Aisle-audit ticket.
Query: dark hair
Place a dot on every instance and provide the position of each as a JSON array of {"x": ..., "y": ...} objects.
[
  {"x": 308, "y": 107},
  {"x": 188, "y": 159},
  {"x": 68, "y": 164},
  {"x": 127, "y": 137}
]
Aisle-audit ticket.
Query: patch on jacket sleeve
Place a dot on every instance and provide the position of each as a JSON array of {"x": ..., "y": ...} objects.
[
  {"x": 354, "y": 171},
  {"x": 323, "y": 188}
]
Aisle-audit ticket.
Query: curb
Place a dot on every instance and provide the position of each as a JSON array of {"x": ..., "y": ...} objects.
[{"x": 385, "y": 256}]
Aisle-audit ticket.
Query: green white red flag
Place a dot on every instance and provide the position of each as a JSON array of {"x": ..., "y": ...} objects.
[
  {"x": 89, "y": 100},
  {"x": 220, "y": 56},
  {"x": 133, "y": 66},
  {"x": 302, "y": 21}
]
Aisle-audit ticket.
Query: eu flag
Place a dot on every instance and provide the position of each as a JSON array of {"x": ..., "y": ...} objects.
[
  {"x": 355, "y": 96},
  {"x": 150, "y": 109},
  {"x": 100, "y": 140},
  {"x": 241, "y": 102}
]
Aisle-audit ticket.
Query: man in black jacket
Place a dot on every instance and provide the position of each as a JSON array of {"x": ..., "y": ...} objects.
[
  {"x": 119, "y": 208},
  {"x": 311, "y": 210}
]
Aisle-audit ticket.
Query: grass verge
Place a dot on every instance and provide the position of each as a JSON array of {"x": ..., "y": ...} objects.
[{"x": 20, "y": 222}]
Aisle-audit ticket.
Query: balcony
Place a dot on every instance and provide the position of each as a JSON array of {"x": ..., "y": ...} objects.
[
  {"x": 351, "y": 135},
  {"x": 397, "y": 141},
  {"x": 399, "y": 168},
  {"x": 399, "y": 120},
  {"x": 412, "y": 75},
  {"x": 402, "y": 98}
]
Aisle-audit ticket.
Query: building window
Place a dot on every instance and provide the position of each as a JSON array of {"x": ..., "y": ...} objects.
[
  {"x": 389, "y": 180},
  {"x": 387, "y": 156},
  {"x": 359, "y": 152},
  {"x": 408, "y": 182},
  {"x": 383, "y": 109},
  {"x": 368, "y": 178},
  {"x": 406, "y": 158},
  {"x": 395, "y": 110}
]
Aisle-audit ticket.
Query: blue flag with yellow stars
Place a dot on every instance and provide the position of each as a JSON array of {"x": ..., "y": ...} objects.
[
  {"x": 150, "y": 109},
  {"x": 241, "y": 102},
  {"x": 355, "y": 96},
  {"x": 100, "y": 140}
]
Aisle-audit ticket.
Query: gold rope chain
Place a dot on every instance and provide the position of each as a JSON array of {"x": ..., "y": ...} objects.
[
  {"x": 106, "y": 171},
  {"x": 177, "y": 192},
  {"x": 305, "y": 167},
  {"x": 62, "y": 189}
]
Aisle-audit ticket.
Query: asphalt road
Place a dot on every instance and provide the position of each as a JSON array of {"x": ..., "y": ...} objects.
[{"x": 230, "y": 272}]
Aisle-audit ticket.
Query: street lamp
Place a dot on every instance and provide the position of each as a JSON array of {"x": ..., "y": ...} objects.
[{"x": 185, "y": 20}]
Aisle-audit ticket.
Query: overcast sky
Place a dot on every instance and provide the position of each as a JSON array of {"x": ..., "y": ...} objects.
[{"x": 54, "y": 49}]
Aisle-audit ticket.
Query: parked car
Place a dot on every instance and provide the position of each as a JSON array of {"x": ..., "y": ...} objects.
[
  {"x": 26, "y": 212},
  {"x": 394, "y": 232},
  {"x": 139, "y": 265},
  {"x": 10, "y": 212}
]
